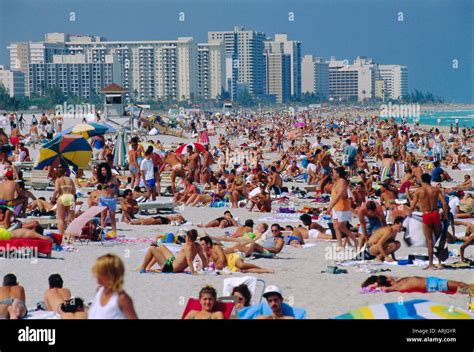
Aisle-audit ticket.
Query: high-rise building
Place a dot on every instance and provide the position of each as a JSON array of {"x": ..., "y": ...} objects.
[
  {"x": 74, "y": 75},
  {"x": 292, "y": 48},
  {"x": 356, "y": 80},
  {"x": 395, "y": 78},
  {"x": 22, "y": 54},
  {"x": 13, "y": 81},
  {"x": 211, "y": 69},
  {"x": 315, "y": 76},
  {"x": 278, "y": 71},
  {"x": 244, "y": 50}
]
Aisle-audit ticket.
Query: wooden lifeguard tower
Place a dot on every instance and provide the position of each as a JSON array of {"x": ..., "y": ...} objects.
[{"x": 114, "y": 98}]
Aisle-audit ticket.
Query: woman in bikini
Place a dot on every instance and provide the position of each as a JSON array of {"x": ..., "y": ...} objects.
[
  {"x": 12, "y": 299},
  {"x": 109, "y": 188},
  {"x": 65, "y": 197},
  {"x": 221, "y": 222},
  {"x": 205, "y": 198},
  {"x": 208, "y": 299}
]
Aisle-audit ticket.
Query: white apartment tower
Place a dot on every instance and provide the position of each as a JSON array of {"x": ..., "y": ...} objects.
[
  {"x": 292, "y": 48},
  {"x": 395, "y": 78},
  {"x": 211, "y": 70},
  {"x": 315, "y": 76},
  {"x": 245, "y": 63}
]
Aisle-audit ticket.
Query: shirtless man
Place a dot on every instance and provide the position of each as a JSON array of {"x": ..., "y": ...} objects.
[
  {"x": 413, "y": 283},
  {"x": 56, "y": 294},
  {"x": 189, "y": 190},
  {"x": 386, "y": 195},
  {"x": 193, "y": 165},
  {"x": 133, "y": 166},
  {"x": 207, "y": 161},
  {"x": 371, "y": 218},
  {"x": 176, "y": 164},
  {"x": 8, "y": 190},
  {"x": 275, "y": 181},
  {"x": 427, "y": 198},
  {"x": 171, "y": 264},
  {"x": 382, "y": 243},
  {"x": 213, "y": 252},
  {"x": 129, "y": 206},
  {"x": 159, "y": 220},
  {"x": 273, "y": 244}
]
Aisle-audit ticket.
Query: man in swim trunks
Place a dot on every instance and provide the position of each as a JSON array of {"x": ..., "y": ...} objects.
[
  {"x": 371, "y": 218},
  {"x": 382, "y": 242},
  {"x": 207, "y": 161},
  {"x": 133, "y": 166},
  {"x": 159, "y": 220},
  {"x": 427, "y": 198},
  {"x": 9, "y": 190},
  {"x": 413, "y": 283},
  {"x": 171, "y": 264},
  {"x": 213, "y": 252},
  {"x": 176, "y": 164}
]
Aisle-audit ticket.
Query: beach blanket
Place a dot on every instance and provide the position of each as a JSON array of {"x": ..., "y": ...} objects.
[
  {"x": 264, "y": 309},
  {"x": 283, "y": 217}
]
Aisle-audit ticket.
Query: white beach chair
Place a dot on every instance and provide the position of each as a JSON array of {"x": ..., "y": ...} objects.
[{"x": 250, "y": 281}]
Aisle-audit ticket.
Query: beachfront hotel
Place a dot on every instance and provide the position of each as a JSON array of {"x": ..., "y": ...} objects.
[
  {"x": 395, "y": 80},
  {"x": 13, "y": 81},
  {"x": 149, "y": 69},
  {"x": 74, "y": 75},
  {"x": 211, "y": 69}
]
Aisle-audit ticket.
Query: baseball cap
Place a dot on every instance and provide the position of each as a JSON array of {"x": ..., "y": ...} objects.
[
  {"x": 249, "y": 222},
  {"x": 272, "y": 289}
]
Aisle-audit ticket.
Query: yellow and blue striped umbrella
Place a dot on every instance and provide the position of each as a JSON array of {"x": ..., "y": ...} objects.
[
  {"x": 88, "y": 130},
  {"x": 72, "y": 150}
]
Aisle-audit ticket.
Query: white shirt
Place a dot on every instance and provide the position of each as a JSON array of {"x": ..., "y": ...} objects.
[
  {"x": 110, "y": 311},
  {"x": 453, "y": 203},
  {"x": 147, "y": 167},
  {"x": 3, "y": 121}
]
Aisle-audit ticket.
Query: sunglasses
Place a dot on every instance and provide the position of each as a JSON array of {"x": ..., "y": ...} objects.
[{"x": 275, "y": 230}]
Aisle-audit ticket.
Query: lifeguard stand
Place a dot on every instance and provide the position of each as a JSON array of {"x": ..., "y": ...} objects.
[{"x": 114, "y": 98}]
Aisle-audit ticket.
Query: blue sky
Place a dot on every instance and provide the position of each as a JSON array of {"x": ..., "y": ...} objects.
[{"x": 431, "y": 35}]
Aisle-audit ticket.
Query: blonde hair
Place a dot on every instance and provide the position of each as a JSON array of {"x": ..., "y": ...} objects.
[{"x": 111, "y": 268}]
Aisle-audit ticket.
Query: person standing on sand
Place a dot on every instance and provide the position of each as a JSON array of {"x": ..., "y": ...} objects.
[{"x": 427, "y": 198}]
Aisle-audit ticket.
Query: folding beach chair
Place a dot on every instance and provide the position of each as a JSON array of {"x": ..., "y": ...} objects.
[
  {"x": 193, "y": 304},
  {"x": 250, "y": 281}
]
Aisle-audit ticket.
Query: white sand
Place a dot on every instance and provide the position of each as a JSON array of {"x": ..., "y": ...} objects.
[{"x": 297, "y": 272}]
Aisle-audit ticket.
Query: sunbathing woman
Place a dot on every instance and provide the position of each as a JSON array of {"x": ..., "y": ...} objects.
[
  {"x": 12, "y": 299},
  {"x": 208, "y": 299},
  {"x": 160, "y": 220},
  {"x": 414, "y": 283},
  {"x": 206, "y": 198},
  {"x": 189, "y": 190},
  {"x": 40, "y": 204},
  {"x": 222, "y": 222}
]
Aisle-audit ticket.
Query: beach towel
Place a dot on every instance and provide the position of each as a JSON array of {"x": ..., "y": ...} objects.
[
  {"x": 414, "y": 236},
  {"x": 41, "y": 314},
  {"x": 264, "y": 309},
  {"x": 399, "y": 170}
]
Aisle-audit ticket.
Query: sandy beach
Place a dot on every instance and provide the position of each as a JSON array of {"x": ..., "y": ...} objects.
[{"x": 298, "y": 271}]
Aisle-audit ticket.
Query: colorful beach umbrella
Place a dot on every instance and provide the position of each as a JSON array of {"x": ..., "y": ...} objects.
[
  {"x": 182, "y": 149},
  {"x": 414, "y": 309},
  {"x": 120, "y": 150},
  {"x": 72, "y": 150},
  {"x": 88, "y": 130}
]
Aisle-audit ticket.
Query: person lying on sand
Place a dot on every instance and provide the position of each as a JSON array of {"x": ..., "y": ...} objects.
[
  {"x": 12, "y": 299},
  {"x": 414, "y": 283},
  {"x": 160, "y": 220},
  {"x": 55, "y": 296},
  {"x": 171, "y": 264},
  {"x": 221, "y": 222},
  {"x": 274, "y": 244}
]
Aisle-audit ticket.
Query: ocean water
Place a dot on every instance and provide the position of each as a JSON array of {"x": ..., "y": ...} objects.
[{"x": 465, "y": 117}]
